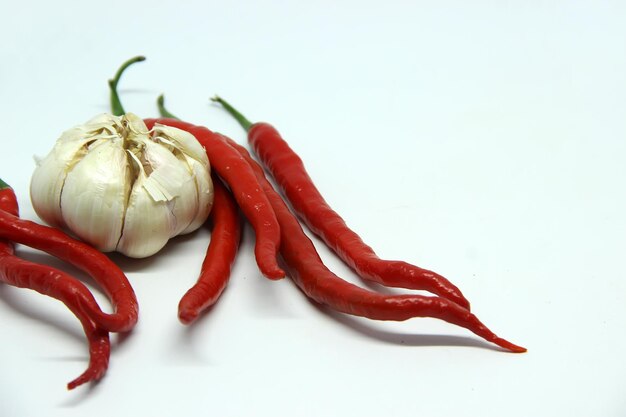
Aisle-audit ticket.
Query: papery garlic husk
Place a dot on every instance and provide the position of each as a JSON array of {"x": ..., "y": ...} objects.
[{"x": 120, "y": 187}]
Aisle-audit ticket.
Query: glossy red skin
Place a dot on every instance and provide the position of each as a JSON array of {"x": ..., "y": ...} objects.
[
  {"x": 59, "y": 285},
  {"x": 290, "y": 174},
  {"x": 231, "y": 167},
  {"x": 220, "y": 256},
  {"x": 308, "y": 271}
]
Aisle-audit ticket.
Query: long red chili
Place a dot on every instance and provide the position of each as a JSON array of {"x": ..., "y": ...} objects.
[
  {"x": 220, "y": 256},
  {"x": 234, "y": 170},
  {"x": 290, "y": 174},
  {"x": 56, "y": 284},
  {"x": 93, "y": 262},
  {"x": 308, "y": 271}
]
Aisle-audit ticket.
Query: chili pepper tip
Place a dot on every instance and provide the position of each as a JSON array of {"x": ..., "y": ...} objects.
[
  {"x": 187, "y": 316},
  {"x": 509, "y": 346},
  {"x": 274, "y": 274}
]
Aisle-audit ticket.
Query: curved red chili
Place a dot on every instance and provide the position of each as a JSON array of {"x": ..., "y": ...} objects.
[
  {"x": 232, "y": 168},
  {"x": 220, "y": 256},
  {"x": 93, "y": 262},
  {"x": 290, "y": 174},
  {"x": 308, "y": 271},
  {"x": 48, "y": 281}
]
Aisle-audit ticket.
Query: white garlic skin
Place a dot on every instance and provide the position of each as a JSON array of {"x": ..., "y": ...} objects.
[{"x": 120, "y": 187}]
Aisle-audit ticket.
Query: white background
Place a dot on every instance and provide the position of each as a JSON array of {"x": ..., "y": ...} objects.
[{"x": 486, "y": 142}]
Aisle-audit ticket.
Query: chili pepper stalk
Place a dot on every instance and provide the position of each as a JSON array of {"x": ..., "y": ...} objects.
[
  {"x": 164, "y": 112},
  {"x": 116, "y": 105}
]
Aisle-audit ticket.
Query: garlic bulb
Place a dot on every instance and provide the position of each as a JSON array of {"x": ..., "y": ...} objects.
[{"x": 123, "y": 188}]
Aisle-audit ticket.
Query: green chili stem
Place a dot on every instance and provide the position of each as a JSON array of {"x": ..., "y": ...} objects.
[
  {"x": 245, "y": 123},
  {"x": 116, "y": 105},
  {"x": 3, "y": 185},
  {"x": 162, "y": 110}
]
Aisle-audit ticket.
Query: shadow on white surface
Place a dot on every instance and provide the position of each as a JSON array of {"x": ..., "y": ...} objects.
[
  {"x": 25, "y": 308},
  {"x": 371, "y": 331}
]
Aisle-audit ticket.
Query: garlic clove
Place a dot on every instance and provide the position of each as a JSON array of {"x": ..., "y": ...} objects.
[
  {"x": 105, "y": 120},
  {"x": 95, "y": 192},
  {"x": 144, "y": 235},
  {"x": 204, "y": 191},
  {"x": 134, "y": 128},
  {"x": 49, "y": 177},
  {"x": 194, "y": 155},
  {"x": 182, "y": 140},
  {"x": 169, "y": 179}
]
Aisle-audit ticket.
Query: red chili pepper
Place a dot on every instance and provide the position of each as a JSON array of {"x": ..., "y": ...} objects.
[
  {"x": 290, "y": 174},
  {"x": 220, "y": 256},
  {"x": 93, "y": 262},
  {"x": 234, "y": 170},
  {"x": 56, "y": 284},
  {"x": 319, "y": 283}
]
